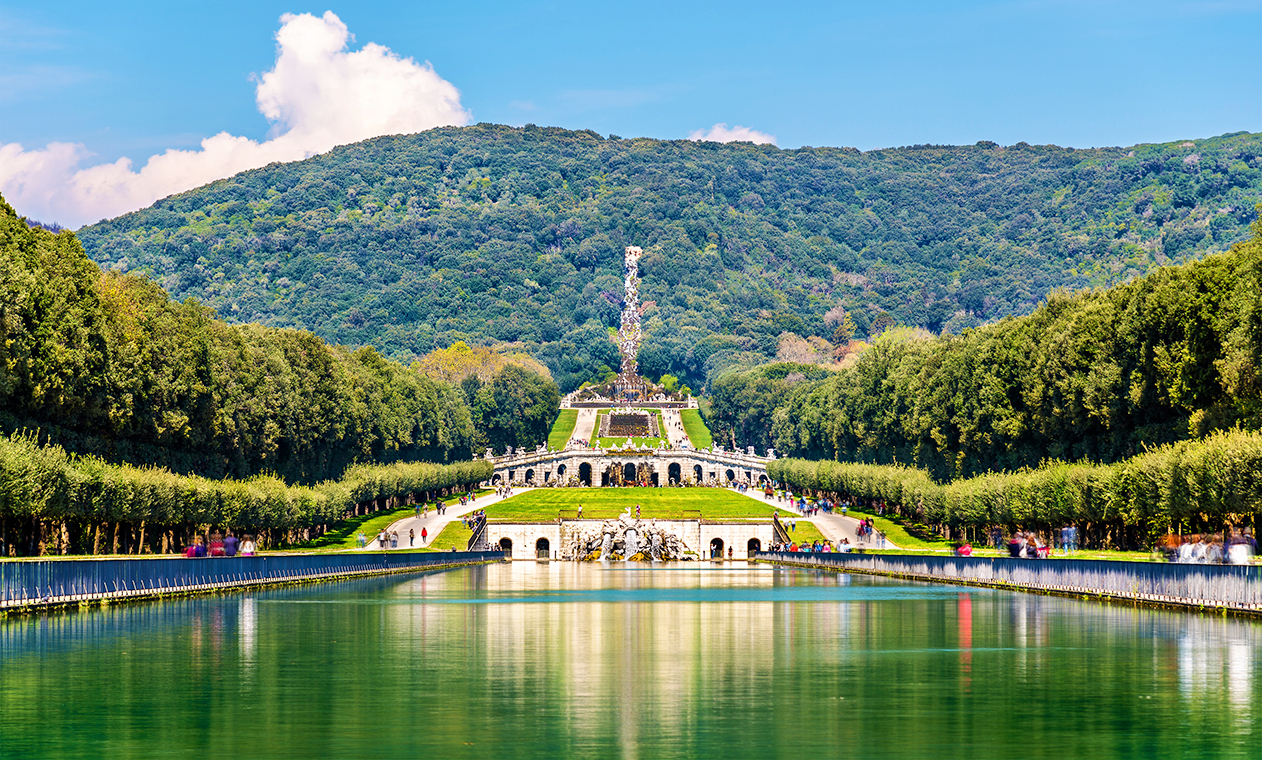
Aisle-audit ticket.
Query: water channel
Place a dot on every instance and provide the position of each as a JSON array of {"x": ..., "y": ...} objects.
[{"x": 575, "y": 660}]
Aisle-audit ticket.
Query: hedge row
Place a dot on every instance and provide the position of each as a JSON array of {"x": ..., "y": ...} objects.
[
  {"x": 46, "y": 483},
  {"x": 1215, "y": 479}
]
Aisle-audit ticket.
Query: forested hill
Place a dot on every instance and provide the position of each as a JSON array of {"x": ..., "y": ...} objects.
[{"x": 495, "y": 234}]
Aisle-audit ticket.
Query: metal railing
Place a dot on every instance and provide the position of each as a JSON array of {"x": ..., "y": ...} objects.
[
  {"x": 477, "y": 541},
  {"x": 41, "y": 582},
  {"x": 1237, "y": 587},
  {"x": 782, "y": 535}
]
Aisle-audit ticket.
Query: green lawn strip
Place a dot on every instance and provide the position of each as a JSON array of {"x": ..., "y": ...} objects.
[
  {"x": 563, "y": 428},
  {"x": 545, "y": 504},
  {"x": 455, "y": 534},
  {"x": 805, "y": 532},
  {"x": 696, "y": 429},
  {"x": 343, "y": 535},
  {"x": 897, "y": 534}
]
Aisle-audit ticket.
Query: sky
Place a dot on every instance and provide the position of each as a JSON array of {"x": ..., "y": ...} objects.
[{"x": 106, "y": 107}]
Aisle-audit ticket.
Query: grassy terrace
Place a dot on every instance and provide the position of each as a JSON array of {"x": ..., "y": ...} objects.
[
  {"x": 563, "y": 428},
  {"x": 545, "y": 504},
  {"x": 695, "y": 427}
]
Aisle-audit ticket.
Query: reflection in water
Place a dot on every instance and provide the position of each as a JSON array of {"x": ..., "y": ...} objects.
[
  {"x": 569, "y": 660},
  {"x": 965, "y": 613}
]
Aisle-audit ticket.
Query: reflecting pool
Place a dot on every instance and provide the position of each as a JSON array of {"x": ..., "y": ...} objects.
[{"x": 568, "y": 660}]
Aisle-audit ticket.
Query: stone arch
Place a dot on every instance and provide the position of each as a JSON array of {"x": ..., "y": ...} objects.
[
  {"x": 543, "y": 550},
  {"x": 506, "y": 545},
  {"x": 762, "y": 478},
  {"x": 716, "y": 548},
  {"x": 628, "y": 472},
  {"x": 730, "y": 476},
  {"x": 674, "y": 472},
  {"x": 585, "y": 474},
  {"x": 496, "y": 478},
  {"x": 561, "y": 473},
  {"x": 698, "y": 473},
  {"x": 530, "y": 475},
  {"x": 754, "y": 545}
]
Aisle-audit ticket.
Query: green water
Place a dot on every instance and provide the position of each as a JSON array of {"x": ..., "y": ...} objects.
[{"x": 565, "y": 660}]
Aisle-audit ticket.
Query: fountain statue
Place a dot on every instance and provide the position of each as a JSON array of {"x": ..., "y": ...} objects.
[{"x": 625, "y": 539}]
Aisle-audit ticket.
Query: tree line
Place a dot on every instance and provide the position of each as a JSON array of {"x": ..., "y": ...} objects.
[
  {"x": 106, "y": 364},
  {"x": 53, "y": 502},
  {"x": 1099, "y": 375},
  {"x": 1197, "y": 486}
]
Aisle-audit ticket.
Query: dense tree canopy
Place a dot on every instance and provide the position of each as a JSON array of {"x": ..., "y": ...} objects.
[
  {"x": 1099, "y": 375},
  {"x": 493, "y": 234},
  {"x": 105, "y": 363}
]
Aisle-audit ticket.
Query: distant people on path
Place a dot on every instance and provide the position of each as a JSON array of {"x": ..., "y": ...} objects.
[
  {"x": 424, "y": 535},
  {"x": 230, "y": 545},
  {"x": 394, "y": 540},
  {"x": 248, "y": 548},
  {"x": 361, "y": 540},
  {"x": 195, "y": 549},
  {"x": 411, "y": 537},
  {"x": 216, "y": 544}
]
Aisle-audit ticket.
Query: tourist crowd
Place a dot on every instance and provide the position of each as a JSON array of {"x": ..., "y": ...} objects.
[
  {"x": 1238, "y": 548},
  {"x": 221, "y": 545}
]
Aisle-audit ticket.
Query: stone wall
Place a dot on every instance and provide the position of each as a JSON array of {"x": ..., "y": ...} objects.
[{"x": 698, "y": 535}]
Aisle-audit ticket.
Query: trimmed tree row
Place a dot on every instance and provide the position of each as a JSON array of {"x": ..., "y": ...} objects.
[
  {"x": 55, "y": 502},
  {"x": 1191, "y": 486}
]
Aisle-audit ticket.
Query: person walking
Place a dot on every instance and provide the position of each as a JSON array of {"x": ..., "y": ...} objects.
[
  {"x": 248, "y": 547},
  {"x": 424, "y": 535},
  {"x": 411, "y": 536},
  {"x": 230, "y": 545}
]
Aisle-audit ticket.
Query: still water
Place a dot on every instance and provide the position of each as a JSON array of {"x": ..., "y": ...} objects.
[{"x": 531, "y": 660}]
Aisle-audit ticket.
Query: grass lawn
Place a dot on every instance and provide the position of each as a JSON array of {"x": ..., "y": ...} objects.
[
  {"x": 806, "y": 532},
  {"x": 898, "y": 535},
  {"x": 608, "y": 442},
  {"x": 545, "y": 504},
  {"x": 455, "y": 534},
  {"x": 695, "y": 427},
  {"x": 563, "y": 428},
  {"x": 343, "y": 534}
]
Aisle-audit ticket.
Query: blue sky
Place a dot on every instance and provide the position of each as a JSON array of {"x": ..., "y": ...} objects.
[{"x": 130, "y": 79}]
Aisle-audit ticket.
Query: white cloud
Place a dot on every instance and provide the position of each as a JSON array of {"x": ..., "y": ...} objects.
[
  {"x": 318, "y": 95},
  {"x": 721, "y": 133}
]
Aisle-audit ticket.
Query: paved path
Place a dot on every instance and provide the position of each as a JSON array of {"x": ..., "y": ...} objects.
[
  {"x": 435, "y": 522},
  {"x": 833, "y": 526},
  {"x": 585, "y": 426},
  {"x": 675, "y": 429}
]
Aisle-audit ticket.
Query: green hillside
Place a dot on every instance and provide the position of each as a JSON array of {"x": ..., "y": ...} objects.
[{"x": 494, "y": 234}]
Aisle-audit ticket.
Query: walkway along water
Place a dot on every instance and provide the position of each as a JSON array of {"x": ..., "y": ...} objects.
[
  {"x": 1224, "y": 588},
  {"x": 38, "y": 585}
]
